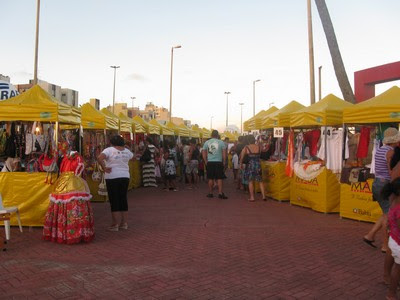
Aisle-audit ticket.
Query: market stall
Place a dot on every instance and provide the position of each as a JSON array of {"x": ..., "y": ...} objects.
[
  {"x": 96, "y": 127},
  {"x": 30, "y": 191},
  {"x": 277, "y": 183},
  {"x": 373, "y": 116},
  {"x": 317, "y": 143}
]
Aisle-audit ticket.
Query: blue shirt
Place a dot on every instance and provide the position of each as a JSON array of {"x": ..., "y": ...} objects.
[{"x": 214, "y": 148}]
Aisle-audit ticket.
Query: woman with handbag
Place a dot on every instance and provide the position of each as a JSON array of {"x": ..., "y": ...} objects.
[
  {"x": 115, "y": 162},
  {"x": 250, "y": 156}
]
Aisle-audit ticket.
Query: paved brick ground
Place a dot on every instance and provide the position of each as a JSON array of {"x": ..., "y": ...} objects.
[{"x": 181, "y": 245}]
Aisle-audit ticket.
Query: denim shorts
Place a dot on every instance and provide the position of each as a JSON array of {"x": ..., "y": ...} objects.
[{"x": 377, "y": 187}]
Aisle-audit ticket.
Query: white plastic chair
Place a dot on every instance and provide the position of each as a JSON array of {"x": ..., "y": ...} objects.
[{"x": 9, "y": 210}]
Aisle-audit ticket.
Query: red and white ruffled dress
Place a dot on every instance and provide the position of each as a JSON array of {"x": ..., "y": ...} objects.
[{"x": 69, "y": 218}]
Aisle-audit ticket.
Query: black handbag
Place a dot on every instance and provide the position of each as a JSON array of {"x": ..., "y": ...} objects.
[{"x": 146, "y": 156}]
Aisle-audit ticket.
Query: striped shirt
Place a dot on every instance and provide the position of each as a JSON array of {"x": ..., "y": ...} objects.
[{"x": 381, "y": 163}]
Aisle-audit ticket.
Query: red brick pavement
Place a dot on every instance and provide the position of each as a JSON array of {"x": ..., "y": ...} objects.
[{"x": 182, "y": 245}]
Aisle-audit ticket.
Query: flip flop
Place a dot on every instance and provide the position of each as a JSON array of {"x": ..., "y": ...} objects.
[{"x": 369, "y": 242}]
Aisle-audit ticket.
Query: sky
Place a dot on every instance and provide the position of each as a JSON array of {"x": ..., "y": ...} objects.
[{"x": 226, "y": 45}]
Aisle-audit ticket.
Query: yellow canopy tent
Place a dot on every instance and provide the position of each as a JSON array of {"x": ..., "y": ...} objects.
[
  {"x": 136, "y": 127},
  {"x": 326, "y": 112},
  {"x": 124, "y": 126},
  {"x": 151, "y": 129},
  {"x": 384, "y": 108},
  {"x": 164, "y": 130},
  {"x": 198, "y": 130},
  {"x": 192, "y": 133},
  {"x": 37, "y": 105},
  {"x": 230, "y": 136},
  {"x": 281, "y": 118},
  {"x": 178, "y": 130},
  {"x": 250, "y": 124},
  {"x": 206, "y": 133},
  {"x": 94, "y": 119},
  {"x": 259, "y": 120},
  {"x": 28, "y": 190}
]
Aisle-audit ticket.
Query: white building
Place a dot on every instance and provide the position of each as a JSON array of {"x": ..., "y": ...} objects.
[{"x": 69, "y": 97}]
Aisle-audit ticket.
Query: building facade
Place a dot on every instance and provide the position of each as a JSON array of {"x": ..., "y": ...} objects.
[{"x": 68, "y": 96}]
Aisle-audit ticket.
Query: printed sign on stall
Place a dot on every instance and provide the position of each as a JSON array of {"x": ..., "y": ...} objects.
[{"x": 278, "y": 132}]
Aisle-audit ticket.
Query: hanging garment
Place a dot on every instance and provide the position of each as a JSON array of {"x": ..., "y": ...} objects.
[
  {"x": 290, "y": 157},
  {"x": 362, "y": 149},
  {"x": 334, "y": 144},
  {"x": 312, "y": 138},
  {"x": 377, "y": 144},
  {"x": 299, "y": 147}
]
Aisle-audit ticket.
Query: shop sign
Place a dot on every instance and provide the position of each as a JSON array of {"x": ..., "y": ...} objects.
[
  {"x": 90, "y": 124},
  {"x": 278, "y": 132},
  {"x": 395, "y": 115},
  {"x": 361, "y": 187},
  {"x": 313, "y": 181},
  {"x": 362, "y": 212},
  {"x": 318, "y": 119},
  {"x": 45, "y": 115},
  {"x": 7, "y": 90}
]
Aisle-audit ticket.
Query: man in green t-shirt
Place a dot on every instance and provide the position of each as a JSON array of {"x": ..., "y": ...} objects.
[{"x": 215, "y": 156}]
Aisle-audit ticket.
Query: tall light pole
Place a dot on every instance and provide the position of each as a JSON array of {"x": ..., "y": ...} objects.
[
  {"x": 227, "y": 95},
  {"x": 311, "y": 53},
  {"x": 254, "y": 96},
  {"x": 115, "y": 72},
  {"x": 35, "y": 79},
  {"x": 241, "y": 115},
  {"x": 133, "y": 98},
  {"x": 211, "y": 122},
  {"x": 319, "y": 83},
  {"x": 170, "y": 82}
]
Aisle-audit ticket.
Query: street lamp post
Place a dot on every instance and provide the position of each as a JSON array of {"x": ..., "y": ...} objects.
[
  {"x": 254, "y": 96},
  {"x": 227, "y": 95},
  {"x": 170, "y": 82},
  {"x": 115, "y": 72},
  {"x": 133, "y": 98},
  {"x": 211, "y": 122},
  {"x": 241, "y": 115},
  {"x": 35, "y": 77}
]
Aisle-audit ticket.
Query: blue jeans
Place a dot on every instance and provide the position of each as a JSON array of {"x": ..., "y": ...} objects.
[{"x": 377, "y": 187}]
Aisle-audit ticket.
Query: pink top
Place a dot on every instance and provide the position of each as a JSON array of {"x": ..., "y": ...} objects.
[{"x": 393, "y": 216}]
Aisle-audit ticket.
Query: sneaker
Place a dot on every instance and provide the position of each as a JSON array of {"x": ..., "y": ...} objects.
[
  {"x": 123, "y": 226},
  {"x": 210, "y": 195},
  {"x": 113, "y": 228},
  {"x": 222, "y": 196}
]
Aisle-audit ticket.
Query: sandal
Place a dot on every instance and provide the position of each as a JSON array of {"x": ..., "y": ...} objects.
[
  {"x": 251, "y": 200},
  {"x": 113, "y": 228},
  {"x": 369, "y": 242}
]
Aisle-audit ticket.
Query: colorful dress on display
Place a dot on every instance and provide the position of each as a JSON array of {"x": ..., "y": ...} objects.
[{"x": 69, "y": 218}]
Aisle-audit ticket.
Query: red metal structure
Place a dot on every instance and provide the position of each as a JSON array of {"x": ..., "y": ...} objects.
[{"x": 365, "y": 80}]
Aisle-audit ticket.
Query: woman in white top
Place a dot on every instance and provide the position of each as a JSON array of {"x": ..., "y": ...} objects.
[{"x": 115, "y": 163}]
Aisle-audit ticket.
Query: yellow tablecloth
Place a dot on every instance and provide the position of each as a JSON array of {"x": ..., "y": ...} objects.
[
  {"x": 276, "y": 183},
  {"x": 29, "y": 192},
  {"x": 356, "y": 202},
  {"x": 320, "y": 194}
]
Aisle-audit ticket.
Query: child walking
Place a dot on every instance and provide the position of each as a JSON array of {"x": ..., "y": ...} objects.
[
  {"x": 392, "y": 189},
  {"x": 235, "y": 164}
]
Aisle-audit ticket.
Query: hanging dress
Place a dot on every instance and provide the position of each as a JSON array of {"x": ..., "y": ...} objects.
[{"x": 69, "y": 218}]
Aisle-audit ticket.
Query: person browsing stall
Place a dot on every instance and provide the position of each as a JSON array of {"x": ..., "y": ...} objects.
[{"x": 115, "y": 162}]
